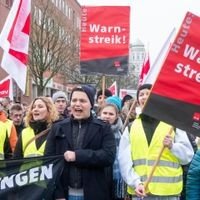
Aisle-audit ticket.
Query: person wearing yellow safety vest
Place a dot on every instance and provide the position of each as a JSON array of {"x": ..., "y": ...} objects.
[
  {"x": 5, "y": 150},
  {"x": 32, "y": 140},
  {"x": 11, "y": 131},
  {"x": 38, "y": 120},
  {"x": 139, "y": 149}
]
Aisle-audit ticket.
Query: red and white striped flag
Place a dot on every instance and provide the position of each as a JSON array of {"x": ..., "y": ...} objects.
[
  {"x": 14, "y": 40},
  {"x": 145, "y": 69},
  {"x": 113, "y": 88}
]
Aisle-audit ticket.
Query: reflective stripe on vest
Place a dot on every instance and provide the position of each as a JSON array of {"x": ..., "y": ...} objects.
[
  {"x": 167, "y": 177},
  {"x": 31, "y": 149},
  {"x": 161, "y": 179},
  {"x": 151, "y": 163}
]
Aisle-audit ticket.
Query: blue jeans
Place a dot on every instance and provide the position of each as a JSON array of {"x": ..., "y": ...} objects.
[{"x": 70, "y": 197}]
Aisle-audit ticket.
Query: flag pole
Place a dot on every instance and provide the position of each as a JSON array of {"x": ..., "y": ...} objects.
[
  {"x": 156, "y": 163},
  {"x": 103, "y": 86},
  {"x": 128, "y": 115}
]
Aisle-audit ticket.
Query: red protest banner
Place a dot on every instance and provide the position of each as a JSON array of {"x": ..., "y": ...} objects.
[
  {"x": 175, "y": 95},
  {"x": 4, "y": 88},
  {"x": 104, "y": 45}
]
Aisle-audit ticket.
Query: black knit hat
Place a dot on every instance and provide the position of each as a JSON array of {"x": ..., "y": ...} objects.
[
  {"x": 88, "y": 89},
  {"x": 144, "y": 86},
  {"x": 107, "y": 93}
]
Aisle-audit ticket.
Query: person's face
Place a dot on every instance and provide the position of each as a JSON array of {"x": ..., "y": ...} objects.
[
  {"x": 101, "y": 100},
  {"x": 109, "y": 114},
  {"x": 17, "y": 117},
  {"x": 60, "y": 104},
  {"x": 39, "y": 110},
  {"x": 142, "y": 97},
  {"x": 126, "y": 103},
  {"x": 5, "y": 102},
  {"x": 80, "y": 105}
]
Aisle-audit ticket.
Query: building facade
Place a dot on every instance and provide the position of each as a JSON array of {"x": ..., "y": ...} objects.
[
  {"x": 136, "y": 59},
  {"x": 64, "y": 15}
]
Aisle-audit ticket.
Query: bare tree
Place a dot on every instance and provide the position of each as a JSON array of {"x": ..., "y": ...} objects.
[{"x": 54, "y": 42}]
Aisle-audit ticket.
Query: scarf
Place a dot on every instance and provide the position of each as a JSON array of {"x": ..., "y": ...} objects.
[{"x": 118, "y": 183}]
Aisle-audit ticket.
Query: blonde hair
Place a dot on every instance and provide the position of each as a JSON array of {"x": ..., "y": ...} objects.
[
  {"x": 52, "y": 112},
  {"x": 109, "y": 105}
]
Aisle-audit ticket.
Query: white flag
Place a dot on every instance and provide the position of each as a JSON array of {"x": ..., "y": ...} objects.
[
  {"x": 14, "y": 40},
  {"x": 155, "y": 68}
]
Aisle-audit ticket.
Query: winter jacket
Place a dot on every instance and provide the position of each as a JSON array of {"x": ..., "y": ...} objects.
[
  {"x": 97, "y": 152},
  {"x": 181, "y": 148},
  {"x": 193, "y": 179}
]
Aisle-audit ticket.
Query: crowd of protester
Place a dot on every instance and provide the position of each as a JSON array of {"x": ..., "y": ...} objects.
[{"x": 109, "y": 146}]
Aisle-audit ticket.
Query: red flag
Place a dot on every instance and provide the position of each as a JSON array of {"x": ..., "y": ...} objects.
[
  {"x": 113, "y": 88},
  {"x": 6, "y": 88},
  {"x": 145, "y": 69},
  {"x": 14, "y": 40},
  {"x": 175, "y": 97}
]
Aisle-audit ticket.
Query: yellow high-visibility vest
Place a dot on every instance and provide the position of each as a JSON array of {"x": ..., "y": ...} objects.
[
  {"x": 8, "y": 123},
  {"x": 167, "y": 177},
  {"x": 31, "y": 150},
  {"x": 2, "y": 139}
]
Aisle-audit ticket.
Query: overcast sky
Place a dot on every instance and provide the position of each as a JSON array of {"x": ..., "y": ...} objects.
[{"x": 153, "y": 20}]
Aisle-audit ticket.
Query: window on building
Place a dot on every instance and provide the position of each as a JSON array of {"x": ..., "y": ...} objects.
[
  {"x": 37, "y": 15},
  {"x": 60, "y": 4},
  {"x": 66, "y": 9},
  {"x": 78, "y": 23},
  {"x": 52, "y": 24},
  {"x": 9, "y": 3},
  {"x": 69, "y": 12},
  {"x": 63, "y": 6},
  {"x": 73, "y": 18}
]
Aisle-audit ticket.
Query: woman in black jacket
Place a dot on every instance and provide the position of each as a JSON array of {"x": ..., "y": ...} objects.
[{"x": 88, "y": 146}]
